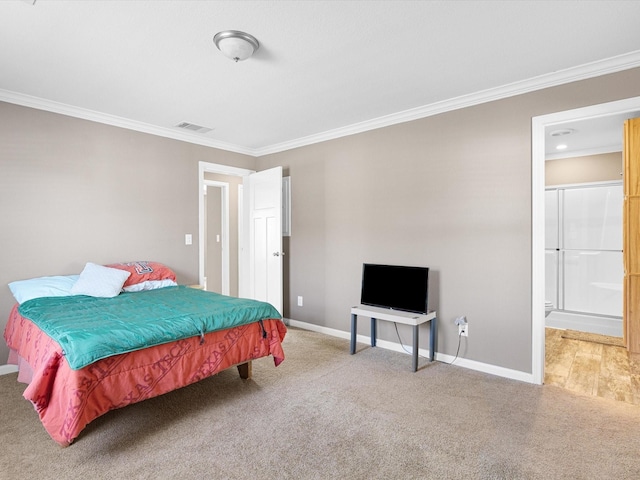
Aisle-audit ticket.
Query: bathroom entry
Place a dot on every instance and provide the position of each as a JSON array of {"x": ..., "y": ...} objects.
[
  {"x": 220, "y": 225},
  {"x": 547, "y": 136}
]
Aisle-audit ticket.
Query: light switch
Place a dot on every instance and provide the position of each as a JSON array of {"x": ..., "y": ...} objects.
[{"x": 188, "y": 239}]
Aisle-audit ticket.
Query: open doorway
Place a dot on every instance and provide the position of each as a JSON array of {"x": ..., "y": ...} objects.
[
  {"x": 218, "y": 257},
  {"x": 259, "y": 264},
  {"x": 540, "y": 125},
  {"x": 224, "y": 181}
]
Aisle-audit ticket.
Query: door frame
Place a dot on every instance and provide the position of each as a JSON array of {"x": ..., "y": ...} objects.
[
  {"x": 207, "y": 167},
  {"x": 538, "y": 125}
]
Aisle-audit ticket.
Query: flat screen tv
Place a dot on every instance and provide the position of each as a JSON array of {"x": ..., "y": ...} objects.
[{"x": 395, "y": 287}]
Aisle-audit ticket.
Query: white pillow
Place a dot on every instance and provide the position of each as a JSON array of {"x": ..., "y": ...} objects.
[
  {"x": 150, "y": 285},
  {"x": 54, "y": 286},
  {"x": 99, "y": 281}
]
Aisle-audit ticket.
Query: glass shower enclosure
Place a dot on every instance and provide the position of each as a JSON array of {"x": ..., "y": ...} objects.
[{"x": 584, "y": 269}]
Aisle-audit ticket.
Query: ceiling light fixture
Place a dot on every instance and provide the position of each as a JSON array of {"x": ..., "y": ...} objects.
[{"x": 236, "y": 45}]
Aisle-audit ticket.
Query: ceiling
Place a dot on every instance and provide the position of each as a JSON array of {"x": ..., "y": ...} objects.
[
  {"x": 586, "y": 137},
  {"x": 324, "y": 69}
]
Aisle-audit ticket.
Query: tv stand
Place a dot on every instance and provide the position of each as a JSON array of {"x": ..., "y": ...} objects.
[{"x": 397, "y": 316}]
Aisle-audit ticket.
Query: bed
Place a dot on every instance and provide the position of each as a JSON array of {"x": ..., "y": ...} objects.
[{"x": 70, "y": 383}]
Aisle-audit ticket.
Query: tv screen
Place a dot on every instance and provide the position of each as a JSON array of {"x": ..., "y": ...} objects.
[{"x": 395, "y": 287}]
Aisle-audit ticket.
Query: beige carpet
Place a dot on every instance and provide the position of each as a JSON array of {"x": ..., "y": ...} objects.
[
  {"x": 324, "y": 414},
  {"x": 593, "y": 338}
]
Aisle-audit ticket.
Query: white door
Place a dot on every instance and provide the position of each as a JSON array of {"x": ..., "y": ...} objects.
[{"x": 263, "y": 239}]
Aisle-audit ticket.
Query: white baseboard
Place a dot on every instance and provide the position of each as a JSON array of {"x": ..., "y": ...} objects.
[
  {"x": 396, "y": 347},
  {"x": 441, "y": 357},
  {"x": 7, "y": 369}
]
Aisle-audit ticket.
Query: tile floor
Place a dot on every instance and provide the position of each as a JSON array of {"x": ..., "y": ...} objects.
[{"x": 591, "y": 368}]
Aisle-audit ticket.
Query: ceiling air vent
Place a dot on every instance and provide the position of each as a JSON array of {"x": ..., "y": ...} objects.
[{"x": 193, "y": 127}]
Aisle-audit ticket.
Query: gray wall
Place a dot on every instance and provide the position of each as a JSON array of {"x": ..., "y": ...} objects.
[
  {"x": 452, "y": 192},
  {"x": 73, "y": 191},
  {"x": 591, "y": 168},
  {"x": 213, "y": 236}
]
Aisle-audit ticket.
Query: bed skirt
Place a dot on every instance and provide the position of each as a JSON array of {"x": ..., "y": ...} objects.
[{"x": 67, "y": 400}]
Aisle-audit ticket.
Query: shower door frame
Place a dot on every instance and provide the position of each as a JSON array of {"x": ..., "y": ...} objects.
[{"x": 561, "y": 248}]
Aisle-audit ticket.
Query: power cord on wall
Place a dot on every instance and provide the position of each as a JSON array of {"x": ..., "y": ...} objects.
[
  {"x": 461, "y": 322},
  {"x": 457, "y": 351},
  {"x": 402, "y": 344},
  {"x": 448, "y": 363}
]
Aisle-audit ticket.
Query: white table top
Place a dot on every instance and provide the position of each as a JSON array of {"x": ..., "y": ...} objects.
[{"x": 398, "y": 316}]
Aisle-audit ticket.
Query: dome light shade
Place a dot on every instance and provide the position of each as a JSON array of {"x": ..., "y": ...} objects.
[{"x": 236, "y": 45}]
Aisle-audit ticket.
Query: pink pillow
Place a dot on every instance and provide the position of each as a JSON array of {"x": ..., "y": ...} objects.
[{"x": 144, "y": 272}]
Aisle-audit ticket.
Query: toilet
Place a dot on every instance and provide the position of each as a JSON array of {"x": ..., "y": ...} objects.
[{"x": 548, "y": 308}]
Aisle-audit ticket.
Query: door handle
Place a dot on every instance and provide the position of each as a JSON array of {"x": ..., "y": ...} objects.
[{"x": 277, "y": 254}]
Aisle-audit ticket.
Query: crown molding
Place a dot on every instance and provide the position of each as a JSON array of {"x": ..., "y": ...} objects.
[
  {"x": 113, "y": 120},
  {"x": 584, "y": 153},
  {"x": 582, "y": 72}
]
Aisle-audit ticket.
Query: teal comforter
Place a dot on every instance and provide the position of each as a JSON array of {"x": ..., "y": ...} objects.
[{"x": 89, "y": 329}]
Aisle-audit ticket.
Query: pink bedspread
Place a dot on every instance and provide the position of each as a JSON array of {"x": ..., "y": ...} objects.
[{"x": 67, "y": 400}]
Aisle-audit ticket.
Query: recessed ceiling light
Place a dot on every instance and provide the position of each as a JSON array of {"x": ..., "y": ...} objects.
[{"x": 562, "y": 146}]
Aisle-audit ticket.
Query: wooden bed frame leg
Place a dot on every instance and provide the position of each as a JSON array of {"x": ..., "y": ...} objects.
[{"x": 244, "y": 370}]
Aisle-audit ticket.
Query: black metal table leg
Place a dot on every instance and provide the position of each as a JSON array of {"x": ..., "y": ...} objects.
[
  {"x": 373, "y": 331},
  {"x": 432, "y": 340},
  {"x": 354, "y": 329},
  {"x": 415, "y": 347}
]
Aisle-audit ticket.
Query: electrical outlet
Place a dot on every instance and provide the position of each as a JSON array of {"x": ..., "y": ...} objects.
[
  {"x": 463, "y": 330},
  {"x": 300, "y": 301}
]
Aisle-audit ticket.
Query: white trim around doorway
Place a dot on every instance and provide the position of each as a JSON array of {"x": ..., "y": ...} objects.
[
  {"x": 538, "y": 125},
  {"x": 206, "y": 167}
]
